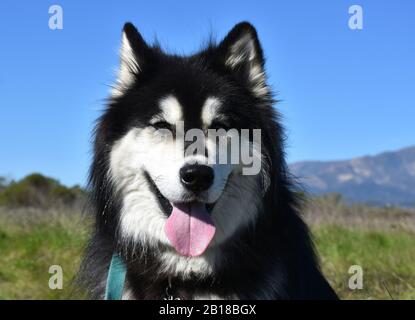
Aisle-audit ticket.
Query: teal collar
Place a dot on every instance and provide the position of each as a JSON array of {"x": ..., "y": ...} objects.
[{"x": 115, "y": 278}]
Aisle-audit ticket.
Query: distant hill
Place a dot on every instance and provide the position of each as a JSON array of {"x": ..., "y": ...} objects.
[
  {"x": 39, "y": 191},
  {"x": 384, "y": 179}
]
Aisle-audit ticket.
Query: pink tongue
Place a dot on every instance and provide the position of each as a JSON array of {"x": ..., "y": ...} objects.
[{"x": 190, "y": 229}]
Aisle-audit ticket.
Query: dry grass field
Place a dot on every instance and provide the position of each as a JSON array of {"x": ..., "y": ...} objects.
[{"x": 380, "y": 240}]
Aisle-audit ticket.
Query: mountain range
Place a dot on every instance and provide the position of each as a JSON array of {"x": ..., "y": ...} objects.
[{"x": 384, "y": 179}]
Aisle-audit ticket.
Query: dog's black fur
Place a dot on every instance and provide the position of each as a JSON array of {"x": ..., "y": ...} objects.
[{"x": 278, "y": 249}]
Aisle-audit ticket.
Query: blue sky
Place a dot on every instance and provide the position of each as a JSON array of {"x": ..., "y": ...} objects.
[{"x": 345, "y": 93}]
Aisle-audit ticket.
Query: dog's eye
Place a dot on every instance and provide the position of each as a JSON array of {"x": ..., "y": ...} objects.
[
  {"x": 162, "y": 125},
  {"x": 216, "y": 125}
]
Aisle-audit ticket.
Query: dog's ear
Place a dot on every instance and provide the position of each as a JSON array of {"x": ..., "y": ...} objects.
[
  {"x": 241, "y": 53},
  {"x": 134, "y": 54}
]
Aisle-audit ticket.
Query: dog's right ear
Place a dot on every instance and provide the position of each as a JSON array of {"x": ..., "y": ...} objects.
[{"x": 134, "y": 53}]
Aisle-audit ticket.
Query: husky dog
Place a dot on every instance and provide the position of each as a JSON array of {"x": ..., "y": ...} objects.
[{"x": 182, "y": 222}]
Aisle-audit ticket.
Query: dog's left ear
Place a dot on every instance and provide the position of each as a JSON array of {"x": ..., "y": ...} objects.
[{"x": 242, "y": 55}]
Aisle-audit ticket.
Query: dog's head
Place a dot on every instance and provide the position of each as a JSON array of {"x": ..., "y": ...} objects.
[{"x": 181, "y": 189}]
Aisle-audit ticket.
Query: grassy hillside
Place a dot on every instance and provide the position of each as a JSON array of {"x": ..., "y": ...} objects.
[
  {"x": 386, "y": 257},
  {"x": 31, "y": 240},
  {"x": 381, "y": 241}
]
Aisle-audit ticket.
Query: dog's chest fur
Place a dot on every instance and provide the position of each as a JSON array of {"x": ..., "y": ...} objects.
[
  {"x": 177, "y": 291},
  {"x": 147, "y": 279}
]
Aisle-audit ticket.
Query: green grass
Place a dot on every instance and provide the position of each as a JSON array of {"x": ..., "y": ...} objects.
[
  {"x": 28, "y": 250},
  {"x": 30, "y": 243},
  {"x": 386, "y": 257}
]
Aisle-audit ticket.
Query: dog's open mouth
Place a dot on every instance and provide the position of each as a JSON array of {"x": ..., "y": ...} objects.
[
  {"x": 189, "y": 226},
  {"x": 164, "y": 203}
]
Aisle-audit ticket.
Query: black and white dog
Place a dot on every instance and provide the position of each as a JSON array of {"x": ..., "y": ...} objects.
[{"x": 182, "y": 221}]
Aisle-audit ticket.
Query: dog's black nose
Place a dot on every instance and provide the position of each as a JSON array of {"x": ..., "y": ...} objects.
[{"x": 196, "y": 177}]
